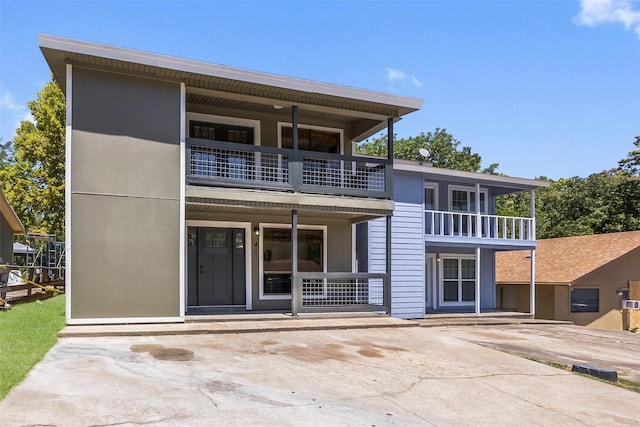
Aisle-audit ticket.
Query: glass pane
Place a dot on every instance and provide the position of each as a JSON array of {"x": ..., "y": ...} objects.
[
  {"x": 239, "y": 239},
  {"x": 216, "y": 239},
  {"x": 450, "y": 268},
  {"x": 459, "y": 201},
  {"x": 585, "y": 300},
  {"x": 468, "y": 269},
  {"x": 468, "y": 290},
  {"x": 429, "y": 198},
  {"x": 192, "y": 237},
  {"x": 312, "y": 140},
  {"x": 276, "y": 257},
  {"x": 450, "y": 289},
  {"x": 310, "y": 252}
]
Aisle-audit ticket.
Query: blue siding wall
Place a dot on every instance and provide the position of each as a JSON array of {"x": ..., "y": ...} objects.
[{"x": 407, "y": 259}]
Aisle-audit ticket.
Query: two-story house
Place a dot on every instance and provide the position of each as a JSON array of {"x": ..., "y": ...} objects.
[
  {"x": 445, "y": 235},
  {"x": 198, "y": 188}
]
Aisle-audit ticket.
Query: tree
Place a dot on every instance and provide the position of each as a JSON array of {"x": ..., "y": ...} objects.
[
  {"x": 631, "y": 163},
  {"x": 33, "y": 179},
  {"x": 443, "y": 149}
]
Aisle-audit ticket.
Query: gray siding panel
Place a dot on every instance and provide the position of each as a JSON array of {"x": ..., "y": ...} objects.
[{"x": 125, "y": 197}]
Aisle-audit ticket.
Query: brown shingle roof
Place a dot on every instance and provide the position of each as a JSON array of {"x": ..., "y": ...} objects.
[{"x": 566, "y": 259}]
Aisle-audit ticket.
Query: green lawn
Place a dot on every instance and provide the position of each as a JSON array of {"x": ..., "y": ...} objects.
[{"x": 27, "y": 332}]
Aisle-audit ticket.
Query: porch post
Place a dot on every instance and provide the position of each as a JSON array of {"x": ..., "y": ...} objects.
[
  {"x": 532, "y": 236},
  {"x": 532, "y": 214},
  {"x": 387, "y": 286},
  {"x": 532, "y": 285},
  {"x": 296, "y": 286},
  {"x": 294, "y": 126},
  {"x": 478, "y": 281},
  {"x": 390, "y": 138},
  {"x": 478, "y": 212}
]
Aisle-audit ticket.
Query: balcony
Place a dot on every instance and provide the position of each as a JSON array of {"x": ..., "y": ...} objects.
[
  {"x": 457, "y": 226},
  {"x": 225, "y": 164}
]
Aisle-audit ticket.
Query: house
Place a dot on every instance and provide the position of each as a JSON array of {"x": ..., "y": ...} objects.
[
  {"x": 191, "y": 187},
  {"x": 445, "y": 236},
  {"x": 10, "y": 226},
  {"x": 583, "y": 279}
]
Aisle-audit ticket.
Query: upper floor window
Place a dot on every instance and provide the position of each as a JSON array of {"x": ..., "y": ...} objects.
[
  {"x": 221, "y": 132},
  {"x": 462, "y": 199},
  {"x": 312, "y": 138}
]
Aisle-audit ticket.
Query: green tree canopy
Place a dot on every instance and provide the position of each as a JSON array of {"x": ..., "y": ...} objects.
[
  {"x": 444, "y": 151},
  {"x": 33, "y": 178}
]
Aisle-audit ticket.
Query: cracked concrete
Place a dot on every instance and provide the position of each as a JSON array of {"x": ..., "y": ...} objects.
[{"x": 403, "y": 376}]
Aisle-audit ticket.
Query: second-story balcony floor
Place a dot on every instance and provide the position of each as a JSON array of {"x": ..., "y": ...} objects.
[
  {"x": 478, "y": 228},
  {"x": 234, "y": 165}
]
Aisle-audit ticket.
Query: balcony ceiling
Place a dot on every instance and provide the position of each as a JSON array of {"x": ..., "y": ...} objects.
[{"x": 227, "y": 87}]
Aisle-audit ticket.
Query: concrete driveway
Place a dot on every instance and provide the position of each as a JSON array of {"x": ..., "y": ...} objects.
[
  {"x": 563, "y": 344},
  {"x": 379, "y": 376}
]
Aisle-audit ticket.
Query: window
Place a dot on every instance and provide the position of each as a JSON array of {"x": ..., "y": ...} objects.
[
  {"x": 458, "y": 280},
  {"x": 312, "y": 138},
  {"x": 221, "y": 132},
  {"x": 276, "y": 257},
  {"x": 585, "y": 300},
  {"x": 430, "y": 204},
  {"x": 464, "y": 200}
]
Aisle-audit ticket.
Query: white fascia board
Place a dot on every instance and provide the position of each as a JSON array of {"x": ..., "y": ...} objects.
[
  {"x": 223, "y": 71},
  {"x": 483, "y": 178}
]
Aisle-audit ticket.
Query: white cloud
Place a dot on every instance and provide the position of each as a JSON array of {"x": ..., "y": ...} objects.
[
  {"x": 598, "y": 12},
  {"x": 8, "y": 103},
  {"x": 399, "y": 75}
]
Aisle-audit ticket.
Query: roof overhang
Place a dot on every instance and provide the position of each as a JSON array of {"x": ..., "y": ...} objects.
[
  {"x": 10, "y": 215},
  {"x": 369, "y": 110},
  {"x": 498, "y": 181}
]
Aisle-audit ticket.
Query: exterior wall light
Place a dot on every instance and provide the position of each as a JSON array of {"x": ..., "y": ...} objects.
[{"x": 256, "y": 231}]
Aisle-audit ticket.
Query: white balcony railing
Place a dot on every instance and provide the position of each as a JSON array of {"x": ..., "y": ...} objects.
[{"x": 473, "y": 225}]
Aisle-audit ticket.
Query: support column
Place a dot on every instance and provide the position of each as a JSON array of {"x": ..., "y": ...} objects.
[
  {"x": 296, "y": 286},
  {"x": 478, "y": 281},
  {"x": 478, "y": 212},
  {"x": 387, "y": 285},
  {"x": 532, "y": 214},
  {"x": 532, "y": 285},
  {"x": 294, "y": 126}
]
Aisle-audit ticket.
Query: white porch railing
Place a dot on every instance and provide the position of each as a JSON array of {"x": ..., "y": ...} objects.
[{"x": 467, "y": 224}]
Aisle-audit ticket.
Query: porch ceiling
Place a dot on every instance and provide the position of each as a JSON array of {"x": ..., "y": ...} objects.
[{"x": 252, "y": 202}]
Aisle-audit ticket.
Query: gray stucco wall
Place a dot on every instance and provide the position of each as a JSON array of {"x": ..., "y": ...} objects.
[
  {"x": 6, "y": 242},
  {"x": 125, "y": 202}
]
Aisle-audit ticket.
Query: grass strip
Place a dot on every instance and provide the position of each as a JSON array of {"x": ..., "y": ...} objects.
[
  {"x": 622, "y": 382},
  {"x": 27, "y": 332}
]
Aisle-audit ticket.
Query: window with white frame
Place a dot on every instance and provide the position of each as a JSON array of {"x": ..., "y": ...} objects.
[
  {"x": 458, "y": 285},
  {"x": 311, "y": 138},
  {"x": 430, "y": 206},
  {"x": 463, "y": 199},
  {"x": 276, "y": 262}
]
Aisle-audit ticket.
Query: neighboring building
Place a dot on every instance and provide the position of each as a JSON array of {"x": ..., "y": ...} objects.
[
  {"x": 10, "y": 226},
  {"x": 445, "y": 234},
  {"x": 582, "y": 279},
  {"x": 190, "y": 185}
]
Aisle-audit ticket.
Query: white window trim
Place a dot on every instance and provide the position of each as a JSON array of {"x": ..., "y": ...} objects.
[
  {"x": 441, "y": 300},
  {"x": 430, "y": 280},
  {"x": 436, "y": 195},
  {"x": 226, "y": 120},
  {"x": 303, "y": 126},
  {"x": 262, "y": 226},
  {"x": 468, "y": 190},
  {"x": 247, "y": 252}
]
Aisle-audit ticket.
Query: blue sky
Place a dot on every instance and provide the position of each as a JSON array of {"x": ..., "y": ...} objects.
[{"x": 544, "y": 88}]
